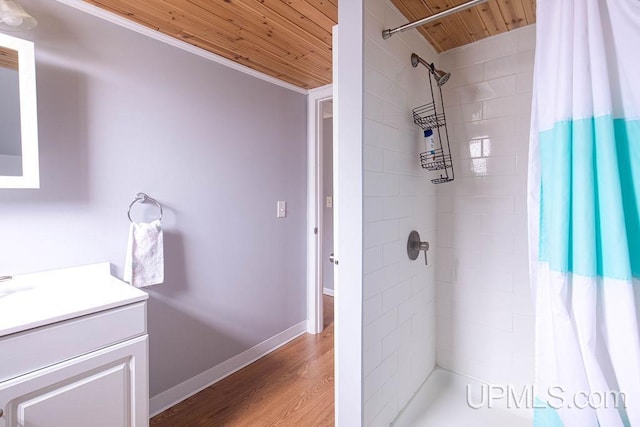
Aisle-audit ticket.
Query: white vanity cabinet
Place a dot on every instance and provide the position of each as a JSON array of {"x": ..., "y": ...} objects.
[{"x": 88, "y": 370}]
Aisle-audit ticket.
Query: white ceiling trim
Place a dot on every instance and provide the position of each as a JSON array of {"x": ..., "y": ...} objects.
[{"x": 139, "y": 28}]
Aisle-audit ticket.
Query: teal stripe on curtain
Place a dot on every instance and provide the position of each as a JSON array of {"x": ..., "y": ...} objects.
[
  {"x": 545, "y": 416},
  {"x": 590, "y": 197}
]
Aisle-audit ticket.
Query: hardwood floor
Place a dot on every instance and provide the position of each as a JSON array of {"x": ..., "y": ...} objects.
[{"x": 293, "y": 386}]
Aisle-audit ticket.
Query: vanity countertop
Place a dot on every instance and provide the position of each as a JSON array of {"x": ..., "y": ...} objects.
[{"x": 31, "y": 300}]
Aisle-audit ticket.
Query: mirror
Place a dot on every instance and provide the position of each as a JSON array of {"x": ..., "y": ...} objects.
[{"x": 18, "y": 115}]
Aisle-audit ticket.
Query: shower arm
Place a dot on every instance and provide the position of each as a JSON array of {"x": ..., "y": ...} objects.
[
  {"x": 388, "y": 33},
  {"x": 415, "y": 60}
]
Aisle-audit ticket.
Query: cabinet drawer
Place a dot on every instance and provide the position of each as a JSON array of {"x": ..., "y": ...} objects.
[{"x": 41, "y": 347}]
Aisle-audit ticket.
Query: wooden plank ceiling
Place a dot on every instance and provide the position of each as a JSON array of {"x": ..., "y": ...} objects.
[
  {"x": 291, "y": 39},
  {"x": 470, "y": 25}
]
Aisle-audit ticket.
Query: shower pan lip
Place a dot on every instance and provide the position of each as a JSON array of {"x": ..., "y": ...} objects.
[{"x": 443, "y": 393}]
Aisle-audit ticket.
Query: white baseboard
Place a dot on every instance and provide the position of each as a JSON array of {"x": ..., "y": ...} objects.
[
  {"x": 327, "y": 291},
  {"x": 180, "y": 392}
]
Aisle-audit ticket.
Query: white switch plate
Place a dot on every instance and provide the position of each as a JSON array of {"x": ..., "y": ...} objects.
[
  {"x": 329, "y": 203},
  {"x": 282, "y": 209}
]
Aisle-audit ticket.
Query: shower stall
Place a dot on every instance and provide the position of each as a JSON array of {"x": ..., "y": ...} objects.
[
  {"x": 454, "y": 341},
  {"x": 465, "y": 320}
]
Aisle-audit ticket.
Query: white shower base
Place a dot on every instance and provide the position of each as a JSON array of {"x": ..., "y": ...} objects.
[{"x": 442, "y": 401}]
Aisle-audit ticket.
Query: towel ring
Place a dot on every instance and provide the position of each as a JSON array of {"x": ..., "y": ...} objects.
[{"x": 142, "y": 198}]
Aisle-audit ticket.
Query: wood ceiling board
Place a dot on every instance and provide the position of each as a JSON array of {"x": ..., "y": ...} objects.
[
  {"x": 248, "y": 34},
  {"x": 459, "y": 30},
  {"x": 492, "y": 17},
  {"x": 279, "y": 12},
  {"x": 326, "y": 7},
  {"x": 411, "y": 8},
  {"x": 247, "y": 54},
  {"x": 124, "y": 11},
  {"x": 476, "y": 26},
  {"x": 290, "y": 77},
  {"x": 529, "y": 10},
  {"x": 233, "y": 42},
  {"x": 8, "y": 58},
  {"x": 169, "y": 16},
  {"x": 311, "y": 13},
  {"x": 473, "y": 24},
  {"x": 278, "y": 39},
  {"x": 443, "y": 34},
  {"x": 513, "y": 13},
  {"x": 291, "y": 39},
  {"x": 454, "y": 30},
  {"x": 434, "y": 37},
  {"x": 273, "y": 31},
  {"x": 316, "y": 49}
]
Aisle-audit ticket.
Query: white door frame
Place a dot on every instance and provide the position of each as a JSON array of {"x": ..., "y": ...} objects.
[
  {"x": 348, "y": 115},
  {"x": 314, "y": 207},
  {"x": 348, "y": 209}
]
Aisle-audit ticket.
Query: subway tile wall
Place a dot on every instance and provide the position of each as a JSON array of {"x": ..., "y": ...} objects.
[
  {"x": 483, "y": 302},
  {"x": 399, "y": 340}
]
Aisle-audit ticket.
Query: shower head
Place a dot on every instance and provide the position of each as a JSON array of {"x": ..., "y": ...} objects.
[{"x": 441, "y": 76}]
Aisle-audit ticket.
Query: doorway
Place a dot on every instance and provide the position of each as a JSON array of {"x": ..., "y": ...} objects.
[
  {"x": 326, "y": 196},
  {"x": 320, "y": 274}
]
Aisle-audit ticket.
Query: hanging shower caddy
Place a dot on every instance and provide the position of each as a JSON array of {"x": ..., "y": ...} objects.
[{"x": 431, "y": 116}]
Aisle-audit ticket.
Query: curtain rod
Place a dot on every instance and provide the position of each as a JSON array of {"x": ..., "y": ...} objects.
[{"x": 388, "y": 33}]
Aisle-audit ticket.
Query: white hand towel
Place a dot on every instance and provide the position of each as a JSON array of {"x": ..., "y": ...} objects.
[{"x": 144, "y": 264}]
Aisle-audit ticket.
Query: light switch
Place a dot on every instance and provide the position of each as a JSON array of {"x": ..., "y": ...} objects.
[
  {"x": 329, "y": 203},
  {"x": 282, "y": 209}
]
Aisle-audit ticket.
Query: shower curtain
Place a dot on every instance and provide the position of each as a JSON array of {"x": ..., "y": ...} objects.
[{"x": 584, "y": 213}]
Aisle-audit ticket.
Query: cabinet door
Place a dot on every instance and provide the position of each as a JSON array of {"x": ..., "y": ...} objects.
[{"x": 105, "y": 388}]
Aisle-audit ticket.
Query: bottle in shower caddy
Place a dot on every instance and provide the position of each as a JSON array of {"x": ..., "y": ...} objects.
[{"x": 430, "y": 143}]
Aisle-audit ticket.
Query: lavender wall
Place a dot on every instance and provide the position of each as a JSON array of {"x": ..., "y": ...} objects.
[{"x": 121, "y": 113}]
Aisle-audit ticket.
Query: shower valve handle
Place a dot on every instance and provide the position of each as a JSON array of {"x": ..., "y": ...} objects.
[
  {"x": 424, "y": 246},
  {"x": 415, "y": 245}
]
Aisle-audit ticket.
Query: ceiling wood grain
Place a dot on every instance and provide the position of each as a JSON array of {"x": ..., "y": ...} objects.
[
  {"x": 8, "y": 58},
  {"x": 487, "y": 19},
  {"x": 291, "y": 39}
]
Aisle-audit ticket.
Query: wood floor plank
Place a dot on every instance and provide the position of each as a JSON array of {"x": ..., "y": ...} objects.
[{"x": 292, "y": 386}]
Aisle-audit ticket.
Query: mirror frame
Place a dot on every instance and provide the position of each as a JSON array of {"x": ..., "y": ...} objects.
[{"x": 30, "y": 177}]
